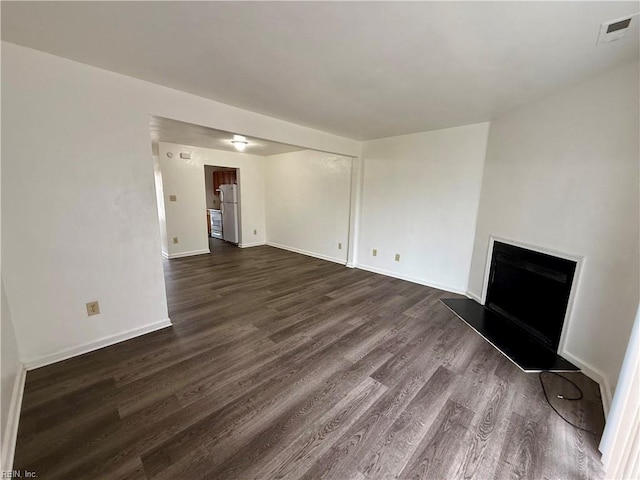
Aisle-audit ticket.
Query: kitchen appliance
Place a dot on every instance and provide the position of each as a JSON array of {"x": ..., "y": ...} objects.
[
  {"x": 229, "y": 209},
  {"x": 215, "y": 219}
]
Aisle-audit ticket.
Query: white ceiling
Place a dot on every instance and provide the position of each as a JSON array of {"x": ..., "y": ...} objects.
[
  {"x": 358, "y": 69},
  {"x": 173, "y": 131}
]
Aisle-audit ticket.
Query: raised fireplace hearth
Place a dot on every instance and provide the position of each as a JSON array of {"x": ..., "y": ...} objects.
[{"x": 526, "y": 304}]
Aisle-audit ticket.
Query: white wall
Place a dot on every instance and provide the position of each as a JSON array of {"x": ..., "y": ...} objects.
[
  {"x": 85, "y": 227},
  {"x": 186, "y": 218},
  {"x": 308, "y": 203},
  {"x": 420, "y": 199},
  {"x": 562, "y": 173},
  {"x": 12, "y": 378}
]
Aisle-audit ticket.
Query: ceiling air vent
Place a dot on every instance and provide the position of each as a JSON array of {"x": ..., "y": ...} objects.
[{"x": 615, "y": 30}]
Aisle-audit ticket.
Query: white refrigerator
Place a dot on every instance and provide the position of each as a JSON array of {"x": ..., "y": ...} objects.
[{"x": 229, "y": 208}]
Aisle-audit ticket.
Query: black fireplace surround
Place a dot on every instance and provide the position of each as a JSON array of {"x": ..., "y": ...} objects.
[
  {"x": 531, "y": 289},
  {"x": 526, "y": 303}
]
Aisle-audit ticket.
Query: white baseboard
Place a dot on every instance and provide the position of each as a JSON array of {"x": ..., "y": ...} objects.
[
  {"x": 252, "y": 244},
  {"x": 473, "y": 296},
  {"x": 595, "y": 375},
  {"x": 186, "y": 254},
  {"x": 95, "y": 345},
  {"x": 10, "y": 434},
  {"x": 419, "y": 281},
  {"x": 309, "y": 254}
]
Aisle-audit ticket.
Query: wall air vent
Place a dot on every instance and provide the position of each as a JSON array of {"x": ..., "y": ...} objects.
[{"x": 616, "y": 29}]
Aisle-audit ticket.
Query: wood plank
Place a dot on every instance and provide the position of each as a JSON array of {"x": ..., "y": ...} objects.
[
  {"x": 294, "y": 460},
  {"x": 392, "y": 451},
  {"x": 484, "y": 440},
  {"x": 301, "y": 417},
  {"x": 522, "y": 453},
  {"x": 438, "y": 452}
]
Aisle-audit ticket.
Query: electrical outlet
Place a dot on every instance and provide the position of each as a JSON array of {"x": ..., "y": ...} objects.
[
  {"x": 93, "y": 308},
  {"x": 397, "y": 257},
  {"x": 339, "y": 246},
  {"x": 173, "y": 198},
  {"x": 375, "y": 252},
  {"x": 255, "y": 232},
  {"x": 175, "y": 240}
]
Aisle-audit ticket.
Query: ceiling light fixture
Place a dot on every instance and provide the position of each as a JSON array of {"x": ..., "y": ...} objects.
[{"x": 239, "y": 142}]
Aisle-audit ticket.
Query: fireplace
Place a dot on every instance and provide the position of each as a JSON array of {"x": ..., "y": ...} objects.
[
  {"x": 527, "y": 296},
  {"x": 530, "y": 289}
]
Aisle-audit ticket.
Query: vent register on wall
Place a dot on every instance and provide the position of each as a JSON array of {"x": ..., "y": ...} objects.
[{"x": 617, "y": 29}]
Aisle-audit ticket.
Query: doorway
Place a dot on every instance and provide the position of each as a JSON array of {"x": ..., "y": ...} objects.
[{"x": 223, "y": 205}]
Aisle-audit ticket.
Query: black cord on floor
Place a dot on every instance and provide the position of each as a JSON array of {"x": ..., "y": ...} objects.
[{"x": 571, "y": 399}]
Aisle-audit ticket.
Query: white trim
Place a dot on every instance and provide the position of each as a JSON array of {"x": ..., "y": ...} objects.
[
  {"x": 620, "y": 443},
  {"x": 473, "y": 296},
  {"x": 165, "y": 254},
  {"x": 341, "y": 261},
  {"x": 419, "y": 281},
  {"x": 595, "y": 375},
  {"x": 186, "y": 254},
  {"x": 254, "y": 244},
  {"x": 568, "y": 316},
  {"x": 355, "y": 207},
  {"x": 351, "y": 265},
  {"x": 10, "y": 434},
  {"x": 605, "y": 395},
  {"x": 95, "y": 345}
]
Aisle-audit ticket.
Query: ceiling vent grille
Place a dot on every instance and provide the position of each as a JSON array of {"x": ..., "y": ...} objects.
[{"x": 615, "y": 30}]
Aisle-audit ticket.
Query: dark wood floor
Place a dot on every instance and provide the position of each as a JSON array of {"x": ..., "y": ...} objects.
[{"x": 284, "y": 366}]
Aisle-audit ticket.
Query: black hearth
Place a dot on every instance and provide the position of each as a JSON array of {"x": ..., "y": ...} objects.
[{"x": 526, "y": 303}]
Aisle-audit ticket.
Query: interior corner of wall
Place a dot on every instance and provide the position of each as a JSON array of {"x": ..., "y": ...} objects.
[
  {"x": 473, "y": 296},
  {"x": 10, "y": 433}
]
